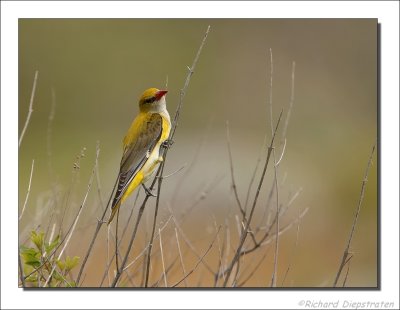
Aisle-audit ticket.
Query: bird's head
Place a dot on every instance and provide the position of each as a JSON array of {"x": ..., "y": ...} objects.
[{"x": 152, "y": 99}]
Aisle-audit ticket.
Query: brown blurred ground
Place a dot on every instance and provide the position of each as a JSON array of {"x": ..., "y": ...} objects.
[{"x": 98, "y": 68}]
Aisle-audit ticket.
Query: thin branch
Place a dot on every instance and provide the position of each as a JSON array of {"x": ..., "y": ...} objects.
[
  {"x": 162, "y": 260},
  {"x": 49, "y": 131},
  {"x": 293, "y": 253},
  {"x": 100, "y": 222},
  {"x": 28, "y": 191},
  {"x": 199, "y": 261},
  {"x": 274, "y": 274},
  {"x": 250, "y": 275},
  {"x": 254, "y": 173},
  {"x": 208, "y": 188},
  {"x": 21, "y": 270},
  {"x": 180, "y": 255},
  {"x": 116, "y": 241},
  {"x": 120, "y": 241},
  {"x": 167, "y": 270},
  {"x": 148, "y": 257},
  {"x": 361, "y": 198},
  {"x": 189, "y": 244},
  {"x": 185, "y": 86},
  {"x": 30, "y": 108},
  {"x": 77, "y": 216},
  {"x": 221, "y": 254},
  {"x": 244, "y": 234},
  {"x": 283, "y": 152},
  {"x": 234, "y": 187},
  {"x": 285, "y": 127},
  {"x": 119, "y": 272},
  {"x": 165, "y": 152},
  {"x": 173, "y": 173},
  {"x": 146, "y": 247},
  {"x": 347, "y": 271}
]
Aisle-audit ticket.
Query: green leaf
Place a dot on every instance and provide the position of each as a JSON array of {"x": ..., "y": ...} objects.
[
  {"x": 70, "y": 263},
  {"x": 25, "y": 250},
  {"x": 58, "y": 276},
  {"x": 32, "y": 261},
  {"x": 61, "y": 264},
  {"x": 31, "y": 257},
  {"x": 37, "y": 239},
  {"x": 72, "y": 283}
]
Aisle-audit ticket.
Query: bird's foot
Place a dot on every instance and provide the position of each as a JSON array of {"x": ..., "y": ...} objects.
[{"x": 167, "y": 143}]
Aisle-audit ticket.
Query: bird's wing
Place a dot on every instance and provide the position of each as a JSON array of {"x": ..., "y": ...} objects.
[{"x": 136, "y": 153}]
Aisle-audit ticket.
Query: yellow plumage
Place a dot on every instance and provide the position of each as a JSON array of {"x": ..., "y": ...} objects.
[{"x": 141, "y": 145}]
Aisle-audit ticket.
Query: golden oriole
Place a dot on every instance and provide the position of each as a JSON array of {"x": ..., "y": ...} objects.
[{"x": 141, "y": 145}]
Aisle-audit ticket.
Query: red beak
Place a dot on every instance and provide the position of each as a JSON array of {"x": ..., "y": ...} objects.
[{"x": 160, "y": 94}]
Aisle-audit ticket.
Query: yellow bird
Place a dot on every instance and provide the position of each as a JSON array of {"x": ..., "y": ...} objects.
[{"x": 141, "y": 145}]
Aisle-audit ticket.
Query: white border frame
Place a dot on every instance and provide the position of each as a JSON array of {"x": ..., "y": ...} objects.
[{"x": 387, "y": 14}]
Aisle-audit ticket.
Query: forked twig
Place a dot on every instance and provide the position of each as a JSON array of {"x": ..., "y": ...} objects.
[
  {"x": 353, "y": 227},
  {"x": 199, "y": 261},
  {"x": 245, "y": 231}
]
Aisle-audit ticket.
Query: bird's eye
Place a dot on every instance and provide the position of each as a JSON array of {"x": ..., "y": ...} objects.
[{"x": 150, "y": 100}]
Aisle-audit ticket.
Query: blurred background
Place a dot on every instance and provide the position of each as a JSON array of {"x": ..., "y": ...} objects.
[{"x": 91, "y": 74}]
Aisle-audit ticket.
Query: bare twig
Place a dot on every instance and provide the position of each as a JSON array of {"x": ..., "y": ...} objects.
[
  {"x": 120, "y": 241},
  {"x": 180, "y": 255},
  {"x": 293, "y": 253},
  {"x": 21, "y": 270},
  {"x": 49, "y": 130},
  {"x": 245, "y": 231},
  {"x": 221, "y": 254},
  {"x": 171, "y": 135},
  {"x": 30, "y": 108},
  {"x": 148, "y": 257},
  {"x": 28, "y": 191},
  {"x": 353, "y": 227},
  {"x": 189, "y": 244},
  {"x": 162, "y": 259},
  {"x": 199, "y": 261},
  {"x": 274, "y": 274},
  {"x": 146, "y": 247},
  {"x": 347, "y": 271},
  {"x": 285, "y": 127},
  {"x": 167, "y": 270},
  {"x": 250, "y": 275},
  {"x": 173, "y": 173},
  {"x": 234, "y": 187},
  {"x": 185, "y": 86},
  {"x": 283, "y": 152},
  {"x": 139, "y": 216},
  {"x": 100, "y": 222},
  {"x": 208, "y": 188},
  {"x": 254, "y": 173},
  {"x": 77, "y": 216}
]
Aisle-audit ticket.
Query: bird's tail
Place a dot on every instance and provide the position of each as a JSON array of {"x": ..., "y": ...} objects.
[
  {"x": 114, "y": 210},
  {"x": 120, "y": 198}
]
